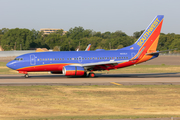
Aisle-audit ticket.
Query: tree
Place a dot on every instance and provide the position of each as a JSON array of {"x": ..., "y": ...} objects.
[
  {"x": 75, "y": 33},
  {"x": 137, "y": 34}
]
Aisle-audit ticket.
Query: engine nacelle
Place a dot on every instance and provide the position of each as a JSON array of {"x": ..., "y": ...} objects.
[{"x": 73, "y": 70}]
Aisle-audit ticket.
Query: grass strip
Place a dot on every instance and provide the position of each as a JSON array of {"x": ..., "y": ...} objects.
[
  {"x": 89, "y": 102},
  {"x": 100, "y": 117}
]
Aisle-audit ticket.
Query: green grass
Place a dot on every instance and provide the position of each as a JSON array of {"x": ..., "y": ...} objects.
[
  {"x": 3, "y": 64},
  {"x": 89, "y": 102},
  {"x": 93, "y": 117},
  {"x": 147, "y": 69}
]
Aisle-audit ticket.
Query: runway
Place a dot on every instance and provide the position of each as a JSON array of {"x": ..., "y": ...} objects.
[{"x": 100, "y": 79}]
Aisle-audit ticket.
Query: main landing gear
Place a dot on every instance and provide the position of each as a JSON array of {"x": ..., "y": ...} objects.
[
  {"x": 26, "y": 75},
  {"x": 91, "y": 74}
]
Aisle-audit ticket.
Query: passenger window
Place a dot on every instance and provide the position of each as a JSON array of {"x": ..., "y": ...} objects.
[
  {"x": 63, "y": 59},
  {"x": 67, "y": 58},
  {"x": 38, "y": 59},
  {"x": 107, "y": 57},
  {"x": 82, "y": 58}
]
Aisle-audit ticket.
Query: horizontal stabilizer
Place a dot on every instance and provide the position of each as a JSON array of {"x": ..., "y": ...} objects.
[{"x": 157, "y": 52}]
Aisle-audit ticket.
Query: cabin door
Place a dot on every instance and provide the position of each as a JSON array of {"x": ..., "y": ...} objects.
[
  {"x": 133, "y": 54},
  {"x": 32, "y": 60},
  {"x": 79, "y": 59}
]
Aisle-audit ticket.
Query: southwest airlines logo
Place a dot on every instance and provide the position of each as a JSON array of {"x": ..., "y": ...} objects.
[{"x": 148, "y": 32}]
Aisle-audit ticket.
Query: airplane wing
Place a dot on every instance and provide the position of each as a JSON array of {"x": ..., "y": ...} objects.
[{"x": 102, "y": 65}]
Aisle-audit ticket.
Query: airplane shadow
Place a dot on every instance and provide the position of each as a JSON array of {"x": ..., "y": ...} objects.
[{"x": 140, "y": 75}]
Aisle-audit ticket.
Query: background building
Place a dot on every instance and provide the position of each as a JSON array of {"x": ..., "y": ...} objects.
[{"x": 51, "y": 30}]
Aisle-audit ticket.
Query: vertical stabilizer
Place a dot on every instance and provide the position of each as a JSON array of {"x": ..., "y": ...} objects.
[
  {"x": 148, "y": 41},
  {"x": 151, "y": 34}
]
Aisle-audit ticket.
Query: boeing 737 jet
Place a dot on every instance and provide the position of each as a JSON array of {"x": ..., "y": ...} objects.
[{"x": 79, "y": 63}]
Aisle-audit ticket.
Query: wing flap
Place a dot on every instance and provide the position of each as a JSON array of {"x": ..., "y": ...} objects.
[{"x": 104, "y": 63}]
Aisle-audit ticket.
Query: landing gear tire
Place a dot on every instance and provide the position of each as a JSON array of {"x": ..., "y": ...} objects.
[
  {"x": 26, "y": 75},
  {"x": 92, "y": 75}
]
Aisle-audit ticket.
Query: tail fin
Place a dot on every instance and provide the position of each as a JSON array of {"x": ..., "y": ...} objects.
[
  {"x": 151, "y": 34},
  {"x": 88, "y": 47},
  {"x": 148, "y": 41}
]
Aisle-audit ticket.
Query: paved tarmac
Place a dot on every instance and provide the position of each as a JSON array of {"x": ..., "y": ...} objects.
[{"x": 100, "y": 79}]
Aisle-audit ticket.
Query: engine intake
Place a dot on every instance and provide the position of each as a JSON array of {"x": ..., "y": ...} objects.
[{"x": 73, "y": 70}]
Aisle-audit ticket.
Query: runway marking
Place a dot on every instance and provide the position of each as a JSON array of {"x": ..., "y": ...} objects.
[{"x": 115, "y": 83}]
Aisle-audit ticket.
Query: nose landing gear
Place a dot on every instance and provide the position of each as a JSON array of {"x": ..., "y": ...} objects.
[{"x": 26, "y": 75}]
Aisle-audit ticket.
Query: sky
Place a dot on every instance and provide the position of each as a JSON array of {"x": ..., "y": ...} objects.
[{"x": 128, "y": 16}]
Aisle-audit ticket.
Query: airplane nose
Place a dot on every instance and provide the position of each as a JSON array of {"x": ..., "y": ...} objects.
[{"x": 10, "y": 65}]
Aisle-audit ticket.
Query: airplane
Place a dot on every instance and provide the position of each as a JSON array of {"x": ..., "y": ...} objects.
[
  {"x": 87, "y": 48},
  {"x": 79, "y": 63}
]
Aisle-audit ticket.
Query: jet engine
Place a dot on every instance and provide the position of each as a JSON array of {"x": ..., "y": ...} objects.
[{"x": 73, "y": 70}]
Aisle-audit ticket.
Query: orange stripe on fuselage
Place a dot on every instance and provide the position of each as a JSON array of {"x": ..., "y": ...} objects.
[{"x": 46, "y": 67}]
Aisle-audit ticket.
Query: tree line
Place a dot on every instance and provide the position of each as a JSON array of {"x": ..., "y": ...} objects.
[{"x": 25, "y": 39}]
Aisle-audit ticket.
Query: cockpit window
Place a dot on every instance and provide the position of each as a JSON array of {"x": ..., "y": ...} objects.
[{"x": 19, "y": 59}]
